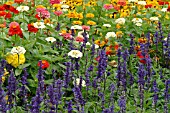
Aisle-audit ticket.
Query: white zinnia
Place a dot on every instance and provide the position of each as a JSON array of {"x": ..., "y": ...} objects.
[
  {"x": 110, "y": 34},
  {"x": 65, "y": 6},
  {"x": 22, "y": 8},
  {"x": 142, "y": 2},
  {"x": 154, "y": 18},
  {"x": 106, "y": 25},
  {"x": 39, "y": 25},
  {"x": 78, "y": 82},
  {"x": 132, "y": 0},
  {"x": 120, "y": 21},
  {"x": 75, "y": 54},
  {"x": 137, "y": 20},
  {"x": 138, "y": 24},
  {"x": 18, "y": 50},
  {"x": 50, "y": 39},
  {"x": 164, "y": 9},
  {"x": 76, "y": 27},
  {"x": 96, "y": 46}
]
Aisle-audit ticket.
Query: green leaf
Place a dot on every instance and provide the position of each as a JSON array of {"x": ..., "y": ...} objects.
[
  {"x": 24, "y": 65},
  {"x": 18, "y": 72}
]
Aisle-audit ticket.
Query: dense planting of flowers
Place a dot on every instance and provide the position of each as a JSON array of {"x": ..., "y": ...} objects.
[{"x": 84, "y": 56}]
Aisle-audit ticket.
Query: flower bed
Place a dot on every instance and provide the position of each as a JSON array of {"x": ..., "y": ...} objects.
[{"x": 75, "y": 56}]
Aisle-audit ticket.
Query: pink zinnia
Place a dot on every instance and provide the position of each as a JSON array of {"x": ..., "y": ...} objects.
[
  {"x": 79, "y": 39},
  {"x": 66, "y": 35},
  {"x": 40, "y": 10},
  {"x": 58, "y": 13},
  {"x": 54, "y": 2},
  {"x": 108, "y": 6},
  {"x": 45, "y": 14},
  {"x": 87, "y": 28},
  {"x": 13, "y": 24}
]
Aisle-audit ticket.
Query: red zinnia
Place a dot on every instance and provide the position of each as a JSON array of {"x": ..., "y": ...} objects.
[
  {"x": 13, "y": 9},
  {"x": 14, "y": 29},
  {"x": 2, "y": 13},
  {"x": 121, "y": 2},
  {"x": 163, "y": 3},
  {"x": 18, "y": 1},
  {"x": 148, "y": 6},
  {"x": 37, "y": 17},
  {"x": 31, "y": 28},
  {"x": 7, "y": 7},
  {"x": 8, "y": 15},
  {"x": 2, "y": 8},
  {"x": 45, "y": 64}
]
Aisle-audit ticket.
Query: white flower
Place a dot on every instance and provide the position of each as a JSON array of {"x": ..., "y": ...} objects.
[
  {"x": 132, "y": 0},
  {"x": 76, "y": 27},
  {"x": 138, "y": 24},
  {"x": 106, "y": 25},
  {"x": 164, "y": 9},
  {"x": 64, "y": 10},
  {"x": 75, "y": 54},
  {"x": 51, "y": 25},
  {"x": 120, "y": 21},
  {"x": 110, "y": 34},
  {"x": 50, "y": 39},
  {"x": 80, "y": 33},
  {"x": 142, "y": 2},
  {"x": 113, "y": 63},
  {"x": 154, "y": 18},
  {"x": 96, "y": 46},
  {"x": 88, "y": 44},
  {"x": 18, "y": 50},
  {"x": 65, "y": 6},
  {"x": 78, "y": 82},
  {"x": 39, "y": 25},
  {"x": 137, "y": 20},
  {"x": 22, "y": 8}
]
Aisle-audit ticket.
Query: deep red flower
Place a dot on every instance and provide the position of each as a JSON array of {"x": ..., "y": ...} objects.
[
  {"x": 31, "y": 28},
  {"x": 13, "y": 9},
  {"x": 142, "y": 58},
  {"x": 14, "y": 29},
  {"x": 18, "y": 1},
  {"x": 2, "y": 8},
  {"x": 148, "y": 6},
  {"x": 163, "y": 3},
  {"x": 2, "y": 13},
  {"x": 45, "y": 64},
  {"x": 7, "y": 7},
  {"x": 37, "y": 17},
  {"x": 8, "y": 15},
  {"x": 109, "y": 52}
]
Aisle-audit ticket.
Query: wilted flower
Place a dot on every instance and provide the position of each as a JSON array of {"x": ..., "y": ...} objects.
[
  {"x": 22, "y": 8},
  {"x": 50, "y": 39},
  {"x": 75, "y": 54}
]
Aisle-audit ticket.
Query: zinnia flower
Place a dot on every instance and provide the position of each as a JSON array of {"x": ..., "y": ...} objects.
[
  {"x": 18, "y": 1},
  {"x": 108, "y": 6},
  {"x": 75, "y": 54},
  {"x": 45, "y": 64},
  {"x": 18, "y": 50},
  {"x": 50, "y": 39},
  {"x": 58, "y": 13},
  {"x": 31, "y": 28},
  {"x": 22, "y": 8},
  {"x": 14, "y": 29}
]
